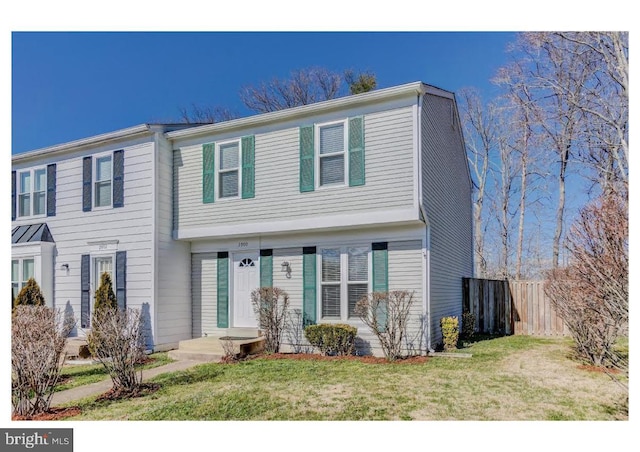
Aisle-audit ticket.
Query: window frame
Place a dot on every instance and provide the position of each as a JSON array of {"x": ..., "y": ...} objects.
[
  {"x": 344, "y": 282},
  {"x": 31, "y": 192},
  {"x": 95, "y": 181},
  {"x": 345, "y": 154},
  {"x": 21, "y": 280},
  {"x": 219, "y": 170}
]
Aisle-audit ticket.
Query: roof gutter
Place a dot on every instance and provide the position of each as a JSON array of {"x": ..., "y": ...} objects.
[
  {"x": 73, "y": 145},
  {"x": 289, "y": 113}
]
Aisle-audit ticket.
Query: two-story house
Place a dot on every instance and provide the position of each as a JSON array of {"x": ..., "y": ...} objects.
[{"x": 327, "y": 201}]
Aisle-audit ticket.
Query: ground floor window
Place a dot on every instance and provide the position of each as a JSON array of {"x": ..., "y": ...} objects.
[
  {"x": 21, "y": 271},
  {"x": 344, "y": 279}
]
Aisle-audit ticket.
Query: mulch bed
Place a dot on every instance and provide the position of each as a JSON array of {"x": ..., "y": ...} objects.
[
  {"x": 590, "y": 368},
  {"x": 54, "y": 414},
  {"x": 362, "y": 359},
  {"x": 143, "y": 390}
]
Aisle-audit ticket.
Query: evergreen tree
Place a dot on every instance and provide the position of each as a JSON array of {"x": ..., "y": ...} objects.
[
  {"x": 30, "y": 295},
  {"x": 105, "y": 297}
]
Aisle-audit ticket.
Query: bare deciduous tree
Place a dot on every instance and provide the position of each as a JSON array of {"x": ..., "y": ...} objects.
[
  {"x": 38, "y": 339},
  {"x": 592, "y": 293},
  {"x": 303, "y": 87},
  {"x": 206, "y": 114}
]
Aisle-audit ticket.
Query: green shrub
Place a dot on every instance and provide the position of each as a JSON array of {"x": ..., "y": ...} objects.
[
  {"x": 468, "y": 325},
  {"x": 332, "y": 339},
  {"x": 450, "y": 332},
  {"x": 30, "y": 295}
]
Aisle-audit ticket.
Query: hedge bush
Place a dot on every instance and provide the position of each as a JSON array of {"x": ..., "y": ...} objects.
[
  {"x": 468, "y": 325},
  {"x": 450, "y": 332},
  {"x": 332, "y": 339},
  {"x": 30, "y": 295}
]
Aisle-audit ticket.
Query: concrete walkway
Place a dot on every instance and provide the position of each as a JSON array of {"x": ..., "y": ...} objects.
[{"x": 100, "y": 387}]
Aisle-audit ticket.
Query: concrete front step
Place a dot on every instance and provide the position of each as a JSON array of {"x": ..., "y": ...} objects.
[
  {"x": 212, "y": 348},
  {"x": 77, "y": 348}
]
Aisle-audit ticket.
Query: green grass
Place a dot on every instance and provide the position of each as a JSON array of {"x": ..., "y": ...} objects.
[
  {"x": 510, "y": 378},
  {"x": 83, "y": 374}
]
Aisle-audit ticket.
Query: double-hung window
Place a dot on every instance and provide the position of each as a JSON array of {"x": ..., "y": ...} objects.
[
  {"x": 103, "y": 181},
  {"x": 332, "y": 145},
  {"x": 229, "y": 169},
  {"x": 21, "y": 271},
  {"x": 32, "y": 192},
  {"x": 344, "y": 279}
]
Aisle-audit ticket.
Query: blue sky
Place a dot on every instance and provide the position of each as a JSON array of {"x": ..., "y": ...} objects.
[{"x": 67, "y": 85}]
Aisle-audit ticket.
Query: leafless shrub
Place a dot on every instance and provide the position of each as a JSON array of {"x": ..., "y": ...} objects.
[
  {"x": 116, "y": 341},
  {"x": 295, "y": 332},
  {"x": 38, "y": 339},
  {"x": 228, "y": 349},
  {"x": 387, "y": 314},
  {"x": 270, "y": 305},
  {"x": 592, "y": 293}
]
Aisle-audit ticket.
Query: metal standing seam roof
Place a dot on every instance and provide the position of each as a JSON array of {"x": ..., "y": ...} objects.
[{"x": 31, "y": 233}]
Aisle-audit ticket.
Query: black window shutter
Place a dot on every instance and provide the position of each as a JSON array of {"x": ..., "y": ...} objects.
[
  {"x": 86, "y": 184},
  {"x": 118, "y": 178},
  {"x": 51, "y": 190},
  {"x": 121, "y": 279},
  {"x": 85, "y": 290},
  {"x": 13, "y": 195}
]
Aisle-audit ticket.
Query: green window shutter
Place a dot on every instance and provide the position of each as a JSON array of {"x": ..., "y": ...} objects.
[
  {"x": 266, "y": 268},
  {"x": 309, "y": 285},
  {"x": 356, "y": 151},
  {"x": 307, "y": 163},
  {"x": 248, "y": 167},
  {"x": 223, "y": 290},
  {"x": 208, "y": 172},
  {"x": 380, "y": 277}
]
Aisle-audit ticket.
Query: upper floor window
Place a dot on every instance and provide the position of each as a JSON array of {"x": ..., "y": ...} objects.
[
  {"x": 332, "y": 154},
  {"x": 229, "y": 170},
  {"x": 32, "y": 192},
  {"x": 103, "y": 181},
  {"x": 332, "y": 144}
]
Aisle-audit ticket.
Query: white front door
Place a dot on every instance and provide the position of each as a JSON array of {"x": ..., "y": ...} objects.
[{"x": 246, "y": 278}]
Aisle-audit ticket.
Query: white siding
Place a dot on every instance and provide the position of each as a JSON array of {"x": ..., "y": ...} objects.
[
  {"x": 293, "y": 286},
  {"x": 130, "y": 225},
  {"x": 389, "y": 178},
  {"x": 173, "y": 260},
  {"x": 447, "y": 202}
]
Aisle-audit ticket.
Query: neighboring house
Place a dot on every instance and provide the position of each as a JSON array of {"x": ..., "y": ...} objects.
[{"x": 327, "y": 201}]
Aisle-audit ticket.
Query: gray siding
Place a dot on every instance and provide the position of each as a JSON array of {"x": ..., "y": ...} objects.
[
  {"x": 389, "y": 178},
  {"x": 446, "y": 192},
  {"x": 173, "y": 260},
  {"x": 204, "y": 296}
]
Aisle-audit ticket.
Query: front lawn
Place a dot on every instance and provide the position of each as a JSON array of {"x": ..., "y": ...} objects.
[{"x": 509, "y": 378}]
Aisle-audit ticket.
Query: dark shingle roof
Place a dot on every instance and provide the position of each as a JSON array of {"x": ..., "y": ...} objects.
[{"x": 31, "y": 233}]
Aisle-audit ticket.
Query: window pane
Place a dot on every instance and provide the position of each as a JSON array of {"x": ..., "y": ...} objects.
[
  {"x": 355, "y": 293},
  {"x": 27, "y": 269},
  {"x": 103, "y": 168},
  {"x": 229, "y": 156},
  {"x": 25, "y": 205},
  {"x": 332, "y": 170},
  {"x": 331, "y": 265},
  {"x": 40, "y": 182},
  {"x": 358, "y": 264},
  {"x": 103, "y": 265},
  {"x": 331, "y": 301},
  {"x": 15, "y": 290},
  {"x": 332, "y": 139},
  {"x": 14, "y": 270},
  {"x": 103, "y": 193},
  {"x": 229, "y": 184},
  {"x": 25, "y": 182},
  {"x": 39, "y": 203}
]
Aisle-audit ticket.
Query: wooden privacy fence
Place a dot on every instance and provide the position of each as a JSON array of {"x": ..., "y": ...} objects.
[{"x": 511, "y": 307}]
